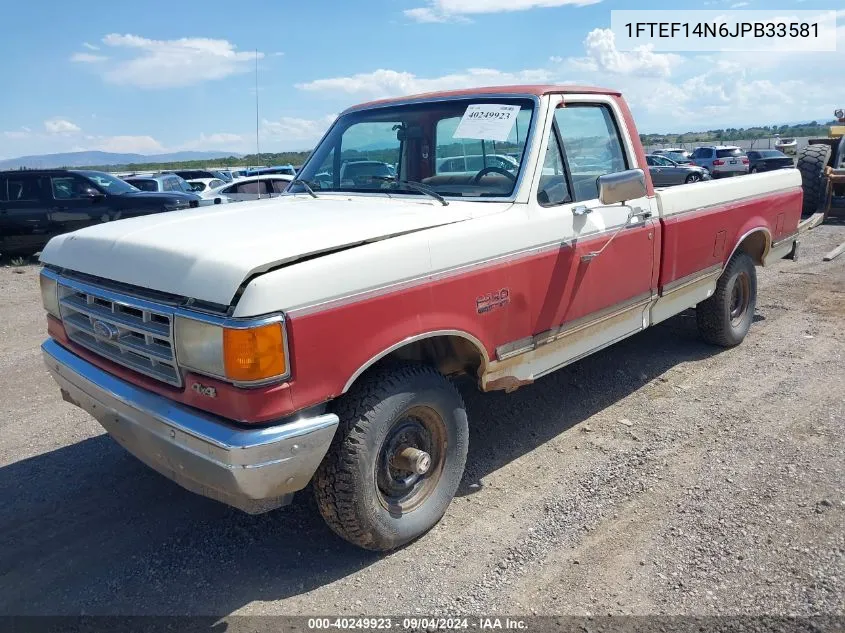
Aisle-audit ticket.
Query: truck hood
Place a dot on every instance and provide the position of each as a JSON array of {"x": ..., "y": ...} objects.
[{"x": 206, "y": 253}]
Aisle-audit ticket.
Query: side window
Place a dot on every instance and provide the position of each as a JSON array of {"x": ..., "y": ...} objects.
[
  {"x": 69, "y": 187},
  {"x": 593, "y": 146},
  {"x": 553, "y": 186},
  {"x": 215, "y": 183},
  {"x": 651, "y": 161},
  {"x": 279, "y": 185},
  {"x": 22, "y": 189},
  {"x": 4, "y": 187}
]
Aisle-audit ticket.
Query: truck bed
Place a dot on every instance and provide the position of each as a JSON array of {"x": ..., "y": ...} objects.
[{"x": 724, "y": 211}]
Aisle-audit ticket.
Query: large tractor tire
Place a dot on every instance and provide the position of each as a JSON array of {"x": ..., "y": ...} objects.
[{"x": 811, "y": 163}]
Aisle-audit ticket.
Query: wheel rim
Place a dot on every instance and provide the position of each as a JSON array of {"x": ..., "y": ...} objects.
[
  {"x": 693, "y": 178},
  {"x": 740, "y": 295},
  {"x": 411, "y": 459}
]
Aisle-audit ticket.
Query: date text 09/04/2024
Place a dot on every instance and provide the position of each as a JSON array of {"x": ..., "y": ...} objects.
[{"x": 717, "y": 30}]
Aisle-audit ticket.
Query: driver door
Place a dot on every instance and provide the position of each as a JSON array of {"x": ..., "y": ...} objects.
[{"x": 601, "y": 281}]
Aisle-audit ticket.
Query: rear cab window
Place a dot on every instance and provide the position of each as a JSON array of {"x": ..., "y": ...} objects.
[{"x": 733, "y": 152}]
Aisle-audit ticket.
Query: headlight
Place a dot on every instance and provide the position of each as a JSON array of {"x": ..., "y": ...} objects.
[
  {"x": 50, "y": 294},
  {"x": 251, "y": 355}
]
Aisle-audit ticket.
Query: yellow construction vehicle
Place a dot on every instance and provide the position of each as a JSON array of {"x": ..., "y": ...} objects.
[{"x": 822, "y": 166}]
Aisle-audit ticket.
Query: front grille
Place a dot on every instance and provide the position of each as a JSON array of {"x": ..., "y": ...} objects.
[{"x": 130, "y": 332}]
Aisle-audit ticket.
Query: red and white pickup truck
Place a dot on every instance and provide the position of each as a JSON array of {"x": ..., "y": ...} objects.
[{"x": 248, "y": 350}]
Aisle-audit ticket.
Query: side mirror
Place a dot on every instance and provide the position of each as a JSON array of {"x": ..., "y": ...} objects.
[
  {"x": 92, "y": 193},
  {"x": 622, "y": 186}
]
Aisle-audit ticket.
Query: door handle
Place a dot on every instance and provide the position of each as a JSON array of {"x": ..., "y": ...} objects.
[
  {"x": 642, "y": 215},
  {"x": 581, "y": 210}
]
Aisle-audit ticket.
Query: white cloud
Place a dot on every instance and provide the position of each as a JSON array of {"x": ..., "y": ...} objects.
[
  {"x": 61, "y": 126},
  {"x": 90, "y": 47},
  {"x": 739, "y": 5},
  {"x": 295, "y": 130},
  {"x": 87, "y": 58},
  {"x": 169, "y": 63},
  {"x": 449, "y": 10},
  {"x": 128, "y": 144},
  {"x": 16, "y": 134},
  {"x": 602, "y": 55},
  {"x": 388, "y": 83}
]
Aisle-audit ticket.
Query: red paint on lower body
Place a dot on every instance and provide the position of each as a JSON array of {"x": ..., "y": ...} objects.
[{"x": 689, "y": 238}]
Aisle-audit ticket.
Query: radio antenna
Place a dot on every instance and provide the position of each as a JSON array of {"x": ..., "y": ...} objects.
[{"x": 257, "y": 141}]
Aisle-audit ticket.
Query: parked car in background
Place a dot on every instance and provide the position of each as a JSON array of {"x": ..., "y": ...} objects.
[
  {"x": 768, "y": 159},
  {"x": 169, "y": 182},
  {"x": 721, "y": 160},
  {"x": 159, "y": 182},
  {"x": 475, "y": 162},
  {"x": 251, "y": 188},
  {"x": 677, "y": 154},
  {"x": 787, "y": 146},
  {"x": 194, "y": 174},
  {"x": 665, "y": 172},
  {"x": 287, "y": 170},
  {"x": 36, "y": 205},
  {"x": 202, "y": 184},
  {"x": 362, "y": 172}
]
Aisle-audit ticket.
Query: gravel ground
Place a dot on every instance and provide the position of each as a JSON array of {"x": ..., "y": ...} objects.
[{"x": 660, "y": 476}]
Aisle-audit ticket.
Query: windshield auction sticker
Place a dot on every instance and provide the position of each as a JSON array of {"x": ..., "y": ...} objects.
[{"x": 487, "y": 122}]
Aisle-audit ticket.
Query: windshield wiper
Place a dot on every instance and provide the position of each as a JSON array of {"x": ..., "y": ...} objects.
[
  {"x": 305, "y": 186},
  {"x": 416, "y": 186}
]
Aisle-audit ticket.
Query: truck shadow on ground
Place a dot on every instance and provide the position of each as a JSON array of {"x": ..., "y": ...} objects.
[{"x": 89, "y": 529}]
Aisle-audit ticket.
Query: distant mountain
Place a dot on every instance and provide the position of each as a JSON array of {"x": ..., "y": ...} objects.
[{"x": 81, "y": 159}]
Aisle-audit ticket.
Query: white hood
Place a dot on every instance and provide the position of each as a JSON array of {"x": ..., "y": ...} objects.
[{"x": 206, "y": 253}]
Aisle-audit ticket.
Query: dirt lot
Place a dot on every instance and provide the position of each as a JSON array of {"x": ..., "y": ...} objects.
[{"x": 659, "y": 476}]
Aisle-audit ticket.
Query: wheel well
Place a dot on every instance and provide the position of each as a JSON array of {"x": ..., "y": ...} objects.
[
  {"x": 450, "y": 353},
  {"x": 755, "y": 244}
]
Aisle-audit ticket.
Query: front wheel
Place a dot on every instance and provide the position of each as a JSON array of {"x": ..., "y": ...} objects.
[
  {"x": 693, "y": 178},
  {"x": 397, "y": 457},
  {"x": 724, "y": 318}
]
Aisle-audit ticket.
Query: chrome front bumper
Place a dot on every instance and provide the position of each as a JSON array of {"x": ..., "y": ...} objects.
[{"x": 254, "y": 470}]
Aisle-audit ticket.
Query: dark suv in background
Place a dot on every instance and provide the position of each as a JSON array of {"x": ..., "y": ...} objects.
[{"x": 36, "y": 205}]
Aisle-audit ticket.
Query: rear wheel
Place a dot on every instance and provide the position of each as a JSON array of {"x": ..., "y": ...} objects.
[
  {"x": 811, "y": 163},
  {"x": 397, "y": 458},
  {"x": 725, "y": 318}
]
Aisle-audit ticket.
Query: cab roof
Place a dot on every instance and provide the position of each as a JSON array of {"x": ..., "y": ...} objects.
[{"x": 530, "y": 89}]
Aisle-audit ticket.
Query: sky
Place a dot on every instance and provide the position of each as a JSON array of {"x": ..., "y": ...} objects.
[{"x": 157, "y": 77}]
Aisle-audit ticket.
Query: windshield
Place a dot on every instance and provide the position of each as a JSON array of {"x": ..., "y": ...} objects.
[
  {"x": 771, "y": 153},
  {"x": 467, "y": 148},
  {"x": 107, "y": 182}
]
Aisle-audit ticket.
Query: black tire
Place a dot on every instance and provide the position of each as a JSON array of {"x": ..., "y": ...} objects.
[
  {"x": 357, "y": 487},
  {"x": 693, "y": 178},
  {"x": 811, "y": 163},
  {"x": 753, "y": 170},
  {"x": 724, "y": 318}
]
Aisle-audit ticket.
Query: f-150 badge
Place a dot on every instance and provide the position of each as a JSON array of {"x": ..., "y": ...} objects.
[{"x": 492, "y": 301}]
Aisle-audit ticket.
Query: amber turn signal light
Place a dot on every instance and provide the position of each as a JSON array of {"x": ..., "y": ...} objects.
[{"x": 254, "y": 354}]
